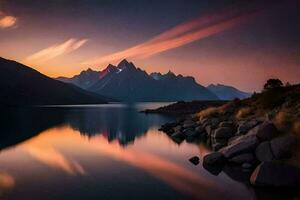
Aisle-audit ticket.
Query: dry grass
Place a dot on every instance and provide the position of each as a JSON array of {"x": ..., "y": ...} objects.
[
  {"x": 296, "y": 128},
  {"x": 209, "y": 112},
  {"x": 282, "y": 120},
  {"x": 243, "y": 112}
]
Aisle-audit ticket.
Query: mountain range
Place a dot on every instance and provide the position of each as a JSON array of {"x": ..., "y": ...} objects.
[
  {"x": 22, "y": 85},
  {"x": 129, "y": 83},
  {"x": 225, "y": 92},
  {"x": 126, "y": 82}
]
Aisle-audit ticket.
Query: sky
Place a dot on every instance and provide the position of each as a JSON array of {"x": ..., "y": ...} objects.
[{"x": 232, "y": 42}]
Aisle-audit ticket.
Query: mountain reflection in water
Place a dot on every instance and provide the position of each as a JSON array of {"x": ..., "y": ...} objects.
[{"x": 105, "y": 152}]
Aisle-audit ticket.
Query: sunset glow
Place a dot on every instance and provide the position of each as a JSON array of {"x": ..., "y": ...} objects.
[{"x": 218, "y": 43}]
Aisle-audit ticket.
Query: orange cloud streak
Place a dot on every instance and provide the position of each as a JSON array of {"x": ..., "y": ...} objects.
[
  {"x": 7, "y": 21},
  {"x": 180, "y": 35},
  {"x": 56, "y": 50}
]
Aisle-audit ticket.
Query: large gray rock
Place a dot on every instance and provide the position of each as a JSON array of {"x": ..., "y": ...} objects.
[
  {"x": 204, "y": 121},
  {"x": 177, "y": 128},
  {"x": 178, "y": 137},
  {"x": 226, "y": 124},
  {"x": 276, "y": 174},
  {"x": 199, "y": 129},
  {"x": 266, "y": 131},
  {"x": 242, "y": 144},
  {"x": 245, "y": 126},
  {"x": 263, "y": 152},
  {"x": 246, "y": 165},
  {"x": 209, "y": 130},
  {"x": 189, "y": 133},
  {"x": 223, "y": 132},
  {"x": 189, "y": 123},
  {"x": 243, "y": 158},
  {"x": 241, "y": 138},
  {"x": 195, "y": 160},
  {"x": 281, "y": 146},
  {"x": 215, "y": 158},
  {"x": 214, "y": 122},
  {"x": 217, "y": 146}
]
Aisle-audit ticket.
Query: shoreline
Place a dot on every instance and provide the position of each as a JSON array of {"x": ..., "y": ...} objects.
[
  {"x": 184, "y": 108},
  {"x": 243, "y": 133}
]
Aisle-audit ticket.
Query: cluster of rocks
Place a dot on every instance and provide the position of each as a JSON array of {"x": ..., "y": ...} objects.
[{"x": 253, "y": 144}]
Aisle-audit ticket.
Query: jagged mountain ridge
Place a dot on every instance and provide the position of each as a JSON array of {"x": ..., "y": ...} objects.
[{"x": 129, "y": 83}]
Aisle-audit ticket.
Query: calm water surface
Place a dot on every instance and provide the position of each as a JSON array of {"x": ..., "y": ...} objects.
[{"x": 104, "y": 152}]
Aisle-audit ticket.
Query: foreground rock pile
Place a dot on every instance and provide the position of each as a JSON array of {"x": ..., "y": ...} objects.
[{"x": 254, "y": 144}]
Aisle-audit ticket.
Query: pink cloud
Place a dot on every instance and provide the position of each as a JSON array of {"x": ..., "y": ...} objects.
[{"x": 56, "y": 50}]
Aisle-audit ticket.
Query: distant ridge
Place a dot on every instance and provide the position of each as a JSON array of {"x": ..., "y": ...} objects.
[
  {"x": 225, "y": 92},
  {"x": 22, "y": 85},
  {"x": 128, "y": 83}
]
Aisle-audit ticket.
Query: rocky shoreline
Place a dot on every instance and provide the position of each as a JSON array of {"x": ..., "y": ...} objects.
[
  {"x": 184, "y": 108},
  {"x": 253, "y": 143}
]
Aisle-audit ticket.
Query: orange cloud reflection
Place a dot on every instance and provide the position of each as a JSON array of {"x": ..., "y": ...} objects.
[
  {"x": 7, "y": 182},
  {"x": 45, "y": 148}
]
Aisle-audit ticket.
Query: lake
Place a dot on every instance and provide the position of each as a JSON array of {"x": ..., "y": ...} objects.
[{"x": 106, "y": 152}]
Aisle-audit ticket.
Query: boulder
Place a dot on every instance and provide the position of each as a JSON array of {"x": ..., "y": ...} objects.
[
  {"x": 230, "y": 140},
  {"x": 214, "y": 122},
  {"x": 178, "y": 137},
  {"x": 266, "y": 131},
  {"x": 213, "y": 169},
  {"x": 246, "y": 165},
  {"x": 209, "y": 130},
  {"x": 203, "y": 136},
  {"x": 242, "y": 144},
  {"x": 204, "y": 121},
  {"x": 253, "y": 131},
  {"x": 281, "y": 146},
  {"x": 276, "y": 174},
  {"x": 189, "y": 123},
  {"x": 189, "y": 133},
  {"x": 168, "y": 127},
  {"x": 195, "y": 160},
  {"x": 199, "y": 129},
  {"x": 223, "y": 132},
  {"x": 243, "y": 158},
  {"x": 215, "y": 158},
  {"x": 245, "y": 126},
  {"x": 226, "y": 124},
  {"x": 241, "y": 138},
  {"x": 177, "y": 128},
  {"x": 263, "y": 152},
  {"x": 217, "y": 146}
]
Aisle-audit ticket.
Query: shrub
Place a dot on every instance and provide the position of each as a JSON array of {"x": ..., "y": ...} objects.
[
  {"x": 243, "y": 112},
  {"x": 283, "y": 120},
  {"x": 208, "y": 112},
  {"x": 296, "y": 128},
  {"x": 271, "y": 99},
  {"x": 273, "y": 83}
]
